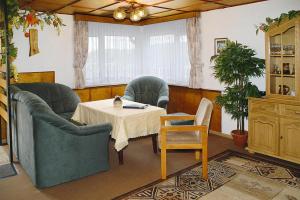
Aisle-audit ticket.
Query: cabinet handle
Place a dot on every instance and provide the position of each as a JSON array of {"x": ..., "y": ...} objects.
[
  {"x": 297, "y": 112},
  {"x": 281, "y": 137}
]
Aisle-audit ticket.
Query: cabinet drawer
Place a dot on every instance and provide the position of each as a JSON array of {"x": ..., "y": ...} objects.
[
  {"x": 258, "y": 107},
  {"x": 290, "y": 110}
]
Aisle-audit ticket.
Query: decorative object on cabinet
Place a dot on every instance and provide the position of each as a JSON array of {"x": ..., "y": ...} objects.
[
  {"x": 274, "y": 120},
  {"x": 234, "y": 67}
]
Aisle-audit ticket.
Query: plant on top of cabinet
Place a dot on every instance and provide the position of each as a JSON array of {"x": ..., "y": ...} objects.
[{"x": 234, "y": 67}]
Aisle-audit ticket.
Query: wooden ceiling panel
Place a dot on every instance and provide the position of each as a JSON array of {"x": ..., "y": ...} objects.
[
  {"x": 177, "y": 4},
  {"x": 241, "y": 2},
  {"x": 154, "y": 10},
  {"x": 203, "y": 7},
  {"x": 161, "y": 10},
  {"x": 163, "y": 14},
  {"x": 94, "y": 4},
  {"x": 152, "y": 2},
  {"x": 117, "y": 5},
  {"x": 72, "y": 9}
]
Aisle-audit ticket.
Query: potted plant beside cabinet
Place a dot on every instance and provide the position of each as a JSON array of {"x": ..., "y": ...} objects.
[{"x": 234, "y": 67}]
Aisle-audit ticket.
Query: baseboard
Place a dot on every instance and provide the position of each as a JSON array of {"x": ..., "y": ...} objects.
[{"x": 220, "y": 134}]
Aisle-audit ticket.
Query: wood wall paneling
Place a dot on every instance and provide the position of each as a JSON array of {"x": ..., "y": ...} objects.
[
  {"x": 99, "y": 93},
  {"x": 117, "y": 90},
  {"x": 84, "y": 94}
]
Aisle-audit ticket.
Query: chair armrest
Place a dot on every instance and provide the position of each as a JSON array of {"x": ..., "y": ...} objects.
[
  {"x": 165, "y": 118},
  {"x": 130, "y": 98},
  {"x": 163, "y": 101}
]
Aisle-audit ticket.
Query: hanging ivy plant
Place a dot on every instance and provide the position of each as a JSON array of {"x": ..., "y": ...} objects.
[
  {"x": 277, "y": 21},
  {"x": 26, "y": 18}
]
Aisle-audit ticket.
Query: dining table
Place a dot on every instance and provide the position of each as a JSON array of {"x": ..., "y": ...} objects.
[{"x": 129, "y": 120}]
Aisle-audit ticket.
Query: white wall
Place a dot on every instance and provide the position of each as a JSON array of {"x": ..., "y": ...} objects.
[
  {"x": 56, "y": 52},
  {"x": 236, "y": 23}
]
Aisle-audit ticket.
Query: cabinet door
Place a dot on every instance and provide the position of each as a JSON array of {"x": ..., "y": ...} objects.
[
  {"x": 290, "y": 139},
  {"x": 264, "y": 134}
]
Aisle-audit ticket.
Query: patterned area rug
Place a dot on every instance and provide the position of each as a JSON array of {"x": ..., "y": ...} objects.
[{"x": 232, "y": 176}]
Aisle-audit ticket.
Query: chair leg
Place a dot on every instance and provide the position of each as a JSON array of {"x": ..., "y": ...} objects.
[
  {"x": 197, "y": 154},
  {"x": 163, "y": 156},
  {"x": 204, "y": 164},
  {"x": 154, "y": 143}
]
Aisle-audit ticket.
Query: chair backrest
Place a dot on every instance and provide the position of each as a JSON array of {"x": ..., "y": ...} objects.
[
  {"x": 204, "y": 111},
  {"x": 147, "y": 89}
]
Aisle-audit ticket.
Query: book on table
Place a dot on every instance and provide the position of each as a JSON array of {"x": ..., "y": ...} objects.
[{"x": 135, "y": 106}]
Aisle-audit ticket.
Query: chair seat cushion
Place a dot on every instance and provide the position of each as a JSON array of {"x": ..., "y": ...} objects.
[
  {"x": 181, "y": 122},
  {"x": 190, "y": 137}
]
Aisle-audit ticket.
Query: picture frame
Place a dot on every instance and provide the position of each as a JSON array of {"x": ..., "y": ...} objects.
[{"x": 219, "y": 44}]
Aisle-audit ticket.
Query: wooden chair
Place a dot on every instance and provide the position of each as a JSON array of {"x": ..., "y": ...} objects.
[{"x": 186, "y": 136}]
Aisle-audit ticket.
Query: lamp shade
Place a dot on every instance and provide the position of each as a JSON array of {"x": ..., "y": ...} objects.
[
  {"x": 141, "y": 11},
  {"x": 119, "y": 13},
  {"x": 134, "y": 16}
]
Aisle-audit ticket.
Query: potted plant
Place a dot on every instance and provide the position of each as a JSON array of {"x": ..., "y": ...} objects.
[{"x": 234, "y": 67}]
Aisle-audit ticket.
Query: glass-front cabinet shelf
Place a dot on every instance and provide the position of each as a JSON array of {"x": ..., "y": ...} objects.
[{"x": 282, "y": 61}]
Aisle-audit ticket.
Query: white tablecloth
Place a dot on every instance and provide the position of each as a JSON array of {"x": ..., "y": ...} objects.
[{"x": 127, "y": 123}]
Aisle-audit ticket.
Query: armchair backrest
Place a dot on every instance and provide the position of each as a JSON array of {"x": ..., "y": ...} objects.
[
  {"x": 60, "y": 98},
  {"x": 204, "y": 112},
  {"x": 147, "y": 89}
]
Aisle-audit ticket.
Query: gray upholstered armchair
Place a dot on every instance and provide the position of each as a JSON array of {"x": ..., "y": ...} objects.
[
  {"x": 51, "y": 148},
  {"x": 149, "y": 90}
]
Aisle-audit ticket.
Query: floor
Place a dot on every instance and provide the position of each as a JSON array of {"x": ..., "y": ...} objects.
[{"x": 141, "y": 167}]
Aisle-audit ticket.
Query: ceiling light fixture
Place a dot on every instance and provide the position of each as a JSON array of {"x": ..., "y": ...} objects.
[{"x": 136, "y": 12}]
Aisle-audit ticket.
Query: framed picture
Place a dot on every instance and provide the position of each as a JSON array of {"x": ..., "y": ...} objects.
[{"x": 219, "y": 45}]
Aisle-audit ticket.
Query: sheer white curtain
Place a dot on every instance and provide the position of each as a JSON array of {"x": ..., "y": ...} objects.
[
  {"x": 113, "y": 54},
  {"x": 165, "y": 52},
  {"x": 120, "y": 53}
]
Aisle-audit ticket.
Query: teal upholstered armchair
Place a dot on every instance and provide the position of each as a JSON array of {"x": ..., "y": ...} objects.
[
  {"x": 51, "y": 148},
  {"x": 149, "y": 90}
]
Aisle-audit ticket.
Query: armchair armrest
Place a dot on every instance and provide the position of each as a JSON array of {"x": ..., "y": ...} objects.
[
  {"x": 61, "y": 123},
  {"x": 162, "y": 101}
]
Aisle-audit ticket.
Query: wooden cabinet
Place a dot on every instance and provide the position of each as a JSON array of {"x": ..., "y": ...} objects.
[
  {"x": 290, "y": 139},
  {"x": 264, "y": 133},
  {"x": 275, "y": 130},
  {"x": 274, "y": 121}
]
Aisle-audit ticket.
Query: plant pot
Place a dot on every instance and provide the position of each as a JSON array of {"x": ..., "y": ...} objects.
[{"x": 239, "y": 139}]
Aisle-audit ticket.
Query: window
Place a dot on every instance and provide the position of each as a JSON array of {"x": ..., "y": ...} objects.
[{"x": 120, "y": 53}]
